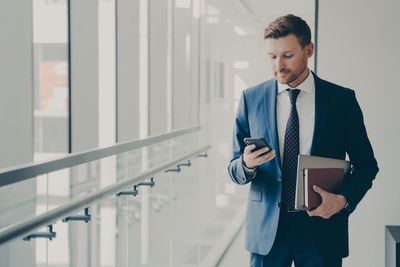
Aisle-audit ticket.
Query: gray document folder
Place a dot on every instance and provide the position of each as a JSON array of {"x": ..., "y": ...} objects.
[{"x": 312, "y": 162}]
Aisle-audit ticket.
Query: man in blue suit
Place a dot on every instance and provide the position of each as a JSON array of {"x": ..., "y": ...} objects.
[{"x": 298, "y": 113}]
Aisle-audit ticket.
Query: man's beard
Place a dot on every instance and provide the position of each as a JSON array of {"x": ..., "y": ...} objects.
[
  {"x": 288, "y": 78},
  {"x": 294, "y": 76}
]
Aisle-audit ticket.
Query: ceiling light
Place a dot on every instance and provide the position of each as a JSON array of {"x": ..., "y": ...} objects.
[
  {"x": 213, "y": 20},
  {"x": 183, "y": 3},
  {"x": 241, "y": 65},
  {"x": 239, "y": 31}
]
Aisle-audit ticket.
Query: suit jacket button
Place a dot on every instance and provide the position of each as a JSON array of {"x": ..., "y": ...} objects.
[
  {"x": 277, "y": 204},
  {"x": 243, "y": 179},
  {"x": 279, "y": 179}
]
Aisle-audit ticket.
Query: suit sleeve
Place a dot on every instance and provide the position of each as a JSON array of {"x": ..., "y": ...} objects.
[
  {"x": 241, "y": 130},
  {"x": 359, "y": 149}
]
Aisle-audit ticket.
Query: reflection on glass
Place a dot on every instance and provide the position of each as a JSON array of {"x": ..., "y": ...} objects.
[{"x": 50, "y": 44}]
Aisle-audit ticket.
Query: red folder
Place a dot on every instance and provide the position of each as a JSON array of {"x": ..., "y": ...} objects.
[{"x": 329, "y": 179}]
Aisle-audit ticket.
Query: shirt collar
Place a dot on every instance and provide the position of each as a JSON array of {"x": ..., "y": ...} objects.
[{"x": 308, "y": 85}]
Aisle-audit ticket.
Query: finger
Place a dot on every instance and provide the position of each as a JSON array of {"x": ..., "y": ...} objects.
[
  {"x": 261, "y": 151},
  {"x": 315, "y": 212},
  {"x": 266, "y": 157},
  {"x": 270, "y": 155},
  {"x": 319, "y": 214},
  {"x": 248, "y": 149},
  {"x": 256, "y": 155},
  {"x": 319, "y": 190},
  {"x": 311, "y": 213}
]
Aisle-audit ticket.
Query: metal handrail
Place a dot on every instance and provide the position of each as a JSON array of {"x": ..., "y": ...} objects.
[
  {"x": 30, "y": 170},
  {"x": 49, "y": 217}
]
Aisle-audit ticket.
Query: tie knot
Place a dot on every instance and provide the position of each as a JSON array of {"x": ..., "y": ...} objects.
[{"x": 293, "y": 94}]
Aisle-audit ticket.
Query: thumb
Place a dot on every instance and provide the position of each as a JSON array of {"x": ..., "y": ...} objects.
[
  {"x": 248, "y": 148},
  {"x": 318, "y": 189}
]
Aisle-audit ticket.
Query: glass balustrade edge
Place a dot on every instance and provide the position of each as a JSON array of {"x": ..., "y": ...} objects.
[{"x": 30, "y": 170}]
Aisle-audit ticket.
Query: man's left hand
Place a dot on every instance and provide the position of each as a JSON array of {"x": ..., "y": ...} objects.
[{"x": 331, "y": 204}]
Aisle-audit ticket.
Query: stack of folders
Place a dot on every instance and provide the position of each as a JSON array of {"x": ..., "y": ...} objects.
[
  {"x": 329, "y": 179},
  {"x": 327, "y": 173}
]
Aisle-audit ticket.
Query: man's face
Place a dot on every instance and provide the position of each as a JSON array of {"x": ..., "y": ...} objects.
[{"x": 288, "y": 58}]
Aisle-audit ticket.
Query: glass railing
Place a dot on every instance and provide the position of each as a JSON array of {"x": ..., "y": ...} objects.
[{"x": 187, "y": 218}]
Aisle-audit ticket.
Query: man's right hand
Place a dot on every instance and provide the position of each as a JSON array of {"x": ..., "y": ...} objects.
[{"x": 253, "y": 159}]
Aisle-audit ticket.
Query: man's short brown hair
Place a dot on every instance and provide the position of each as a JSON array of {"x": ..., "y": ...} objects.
[{"x": 289, "y": 24}]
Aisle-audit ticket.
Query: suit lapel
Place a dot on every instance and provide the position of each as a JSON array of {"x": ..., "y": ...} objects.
[
  {"x": 271, "y": 133},
  {"x": 320, "y": 115},
  {"x": 270, "y": 92}
]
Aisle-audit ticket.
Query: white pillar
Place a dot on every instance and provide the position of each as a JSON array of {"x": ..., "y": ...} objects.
[
  {"x": 16, "y": 117},
  {"x": 84, "y": 87},
  {"x": 127, "y": 70},
  {"x": 84, "y": 74}
]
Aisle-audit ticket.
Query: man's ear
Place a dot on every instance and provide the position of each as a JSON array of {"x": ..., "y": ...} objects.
[{"x": 310, "y": 49}]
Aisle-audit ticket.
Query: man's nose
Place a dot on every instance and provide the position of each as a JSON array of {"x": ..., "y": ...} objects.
[{"x": 280, "y": 63}]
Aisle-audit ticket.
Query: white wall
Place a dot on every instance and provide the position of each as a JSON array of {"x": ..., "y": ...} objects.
[
  {"x": 127, "y": 70},
  {"x": 182, "y": 77},
  {"x": 84, "y": 75},
  {"x": 158, "y": 63},
  {"x": 16, "y": 89},
  {"x": 16, "y": 118},
  {"x": 359, "y": 48}
]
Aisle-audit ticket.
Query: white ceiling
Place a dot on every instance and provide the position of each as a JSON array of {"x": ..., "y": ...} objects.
[
  {"x": 253, "y": 15},
  {"x": 258, "y": 13}
]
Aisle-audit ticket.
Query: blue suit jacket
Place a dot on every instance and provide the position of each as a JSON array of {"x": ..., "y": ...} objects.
[{"x": 339, "y": 129}]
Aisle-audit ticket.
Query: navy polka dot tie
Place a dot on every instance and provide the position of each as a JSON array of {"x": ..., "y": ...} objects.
[{"x": 290, "y": 153}]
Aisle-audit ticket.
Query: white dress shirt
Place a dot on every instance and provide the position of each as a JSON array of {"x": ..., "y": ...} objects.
[{"x": 305, "y": 105}]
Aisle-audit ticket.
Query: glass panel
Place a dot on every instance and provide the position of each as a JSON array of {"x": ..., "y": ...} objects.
[
  {"x": 177, "y": 222},
  {"x": 19, "y": 253},
  {"x": 87, "y": 244},
  {"x": 161, "y": 198},
  {"x": 72, "y": 183},
  {"x": 109, "y": 234},
  {"x": 122, "y": 249},
  {"x": 185, "y": 144},
  {"x": 20, "y": 202},
  {"x": 23, "y": 200},
  {"x": 59, "y": 249},
  {"x": 141, "y": 160},
  {"x": 50, "y": 45},
  {"x": 222, "y": 201},
  {"x": 185, "y": 218},
  {"x": 148, "y": 225}
]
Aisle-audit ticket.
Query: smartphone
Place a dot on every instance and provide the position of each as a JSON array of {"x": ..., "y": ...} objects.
[{"x": 259, "y": 142}]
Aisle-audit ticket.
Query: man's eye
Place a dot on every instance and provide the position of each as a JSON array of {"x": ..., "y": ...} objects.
[
  {"x": 288, "y": 56},
  {"x": 273, "y": 57}
]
